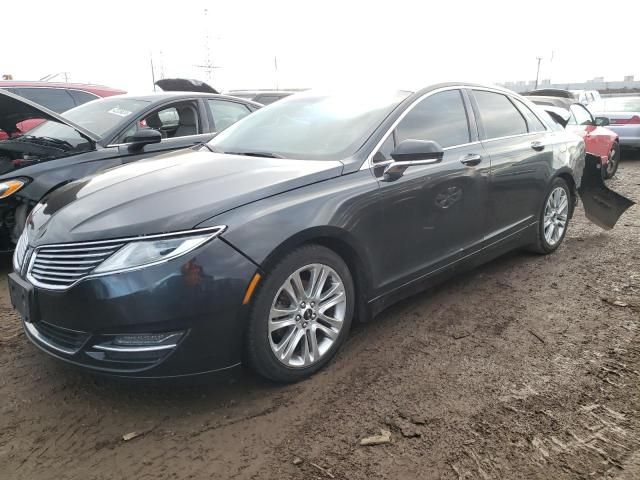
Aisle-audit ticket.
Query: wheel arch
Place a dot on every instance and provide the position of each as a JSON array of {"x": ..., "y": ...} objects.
[
  {"x": 345, "y": 246},
  {"x": 568, "y": 176}
]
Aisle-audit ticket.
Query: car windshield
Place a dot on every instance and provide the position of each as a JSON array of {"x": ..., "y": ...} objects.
[
  {"x": 98, "y": 116},
  {"x": 616, "y": 104},
  {"x": 310, "y": 126}
]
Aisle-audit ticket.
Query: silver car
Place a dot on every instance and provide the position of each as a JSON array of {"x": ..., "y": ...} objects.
[{"x": 622, "y": 115}]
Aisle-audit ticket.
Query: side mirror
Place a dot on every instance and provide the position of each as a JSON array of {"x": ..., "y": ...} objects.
[
  {"x": 144, "y": 137},
  {"x": 602, "y": 122},
  {"x": 412, "y": 152}
]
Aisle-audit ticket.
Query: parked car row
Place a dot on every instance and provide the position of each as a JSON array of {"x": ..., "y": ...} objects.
[
  {"x": 599, "y": 141},
  {"x": 96, "y": 136},
  {"x": 57, "y": 97},
  {"x": 263, "y": 245}
]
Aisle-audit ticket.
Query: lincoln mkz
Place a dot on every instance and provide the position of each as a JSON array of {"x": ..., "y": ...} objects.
[{"x": 262, "y": 246}]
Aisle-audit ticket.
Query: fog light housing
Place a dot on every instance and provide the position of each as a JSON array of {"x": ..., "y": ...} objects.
[{"x": 147, "y": 339}]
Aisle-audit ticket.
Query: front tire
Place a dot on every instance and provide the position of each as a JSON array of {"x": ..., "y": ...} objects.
[
  {"x": 554, "y": 218},
  {"x": 614, "y": 161},
  {"x": 301, "y": 314}
]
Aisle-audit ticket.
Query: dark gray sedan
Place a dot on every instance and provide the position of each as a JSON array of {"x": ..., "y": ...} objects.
[{"x": 263, "y": 246}]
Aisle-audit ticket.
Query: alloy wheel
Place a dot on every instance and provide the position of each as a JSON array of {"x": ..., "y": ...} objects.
[
  {"x": 611, "y": 164},
  {"x": 556, "y": 213},
  {"x": 307, "y": 315}
]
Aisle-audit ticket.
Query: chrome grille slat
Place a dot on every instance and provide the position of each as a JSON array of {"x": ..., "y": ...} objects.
[
  {"x": 49, "y": 255},
  {"x": 60, "y": 266},
  {"x": 46, "y": 261},
  {"x": 88, "y": 249}
]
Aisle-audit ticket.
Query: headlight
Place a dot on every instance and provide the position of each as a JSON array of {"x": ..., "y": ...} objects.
[
  {"x": 158, "y": 249},
  {"x": 9, "y": 187}
]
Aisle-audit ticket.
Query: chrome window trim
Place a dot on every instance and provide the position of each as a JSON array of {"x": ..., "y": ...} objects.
[
  {"x": 215, "y": 232},
  {"x": 368, "y": 163}
]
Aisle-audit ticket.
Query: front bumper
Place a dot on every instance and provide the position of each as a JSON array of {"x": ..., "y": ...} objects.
[{"x": 197, "y": 296}]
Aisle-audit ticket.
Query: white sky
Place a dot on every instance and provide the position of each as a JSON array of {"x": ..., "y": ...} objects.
[{"x": 406, "y": 43}]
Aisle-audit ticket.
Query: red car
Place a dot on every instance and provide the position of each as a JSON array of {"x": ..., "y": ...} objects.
[
  {"x": 599, "y": 141},
  {"x": 58, "y": 97}
]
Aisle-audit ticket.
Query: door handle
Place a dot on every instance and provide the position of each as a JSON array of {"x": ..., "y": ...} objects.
[
  {"x": 537, "y": 145},
  {"x": 471, "y": 159}
]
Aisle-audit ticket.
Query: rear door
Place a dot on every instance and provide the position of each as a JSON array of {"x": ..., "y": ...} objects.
[{"x": 521, "y": 161}]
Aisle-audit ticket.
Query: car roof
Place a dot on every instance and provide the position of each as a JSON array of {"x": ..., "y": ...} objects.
[
  {"x": 162, "y": 96},
  {"x": 77, "y": 86},
  {"x": 267, "y": 91}
]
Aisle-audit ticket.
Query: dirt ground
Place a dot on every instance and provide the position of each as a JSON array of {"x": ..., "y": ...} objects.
[{"x": 516, "y": 370}]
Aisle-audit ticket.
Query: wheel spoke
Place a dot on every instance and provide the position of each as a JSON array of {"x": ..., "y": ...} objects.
[
  {"x": 333, "y": 322},
  {"x": 564, "y": 203},
  {"x": 275, "y": 325},
  {"x": 291, "y": 293},
  {"x": 297, "y": 284},
  {"x": 313, "y": 344},
  {"x": 278, "y": 312},
  {"x": 328, "y": 332},
  {"x": 332, "y": 302},
  {"x": 291, "y": 346},
  {"x": 335, "y": 289},
  {"x": 318, "y": 281}
]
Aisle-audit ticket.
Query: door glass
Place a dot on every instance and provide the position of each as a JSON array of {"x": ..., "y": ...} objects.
[
  {"x": 500, "y": 117},
  {"x": 582, "y": 116},
  {"x": 56, "y": 99},
  {"x": 533, "y": 122},
  {"x": 226, "y": 113},
  {"x": 178, "y": 120},
  {"x": 441, "y": 118}
]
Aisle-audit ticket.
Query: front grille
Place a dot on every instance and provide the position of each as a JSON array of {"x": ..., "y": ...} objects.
[
  {"x": 62, "y": 337},
  {"x": 60, "y": 266}
]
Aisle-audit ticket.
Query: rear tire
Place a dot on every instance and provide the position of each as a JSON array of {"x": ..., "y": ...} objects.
[
  {"x": 614, "y": 161},
  {"x": 553, "y": 221},
  {"x": 300, "y": 315}
]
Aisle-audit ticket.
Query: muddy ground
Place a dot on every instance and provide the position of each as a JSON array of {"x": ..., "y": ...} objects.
[{"x": 519, "y": 369}]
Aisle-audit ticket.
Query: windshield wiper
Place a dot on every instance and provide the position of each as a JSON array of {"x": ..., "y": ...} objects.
[
  {"x": 56, "y": 142},
  {"x": 256, "y": 154}
]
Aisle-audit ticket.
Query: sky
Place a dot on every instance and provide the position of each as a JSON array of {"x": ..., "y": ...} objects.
[{"x": 302, "y": 44}]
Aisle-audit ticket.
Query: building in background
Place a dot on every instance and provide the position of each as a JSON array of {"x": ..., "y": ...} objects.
[{"x": 627, "y": 85}]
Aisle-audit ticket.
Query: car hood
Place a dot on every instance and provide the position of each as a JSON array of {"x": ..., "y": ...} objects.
[
  {"x": 16, "y": 109},
  {"x": 184, "y": 85},
  {"x": 169, "y": 193}
]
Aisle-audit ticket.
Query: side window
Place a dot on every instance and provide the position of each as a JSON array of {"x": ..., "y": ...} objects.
[
  {"x": 226, "y": 113},
  {"x": 56, "y": 99},
  {"x": 500, "y": 117},
  {"x": 81, "y": 97},
  {"x": 441, "y": 117},
  {"x": 533, "y": 122},
  {"x": 177, "y": 120},
  {"x": 384, "y": 152},
  {"x": 581, "y": 115}
]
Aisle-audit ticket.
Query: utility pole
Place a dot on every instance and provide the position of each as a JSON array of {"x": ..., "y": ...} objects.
[
  {"x": 538, "y": 72},
  {"x": 153, "y": 73},
  {"x": 275, "y": 66}
]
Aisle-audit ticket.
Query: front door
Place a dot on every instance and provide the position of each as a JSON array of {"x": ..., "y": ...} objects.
[{"x": 433, "y": 214}]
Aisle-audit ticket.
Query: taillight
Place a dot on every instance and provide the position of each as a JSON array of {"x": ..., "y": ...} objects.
[{"x": 635, "y": 120}]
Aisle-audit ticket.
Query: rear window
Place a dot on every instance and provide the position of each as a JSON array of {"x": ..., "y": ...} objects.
[{"x": 56, "y": 99}]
